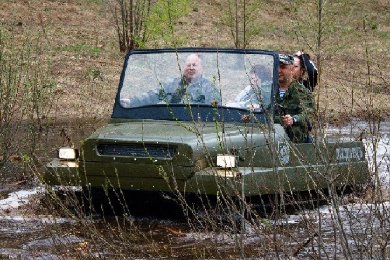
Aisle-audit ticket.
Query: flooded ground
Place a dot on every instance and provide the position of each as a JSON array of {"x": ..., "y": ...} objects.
[{"x": 344, "y": 228}]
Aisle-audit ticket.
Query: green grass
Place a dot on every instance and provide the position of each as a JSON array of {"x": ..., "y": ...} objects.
[
  {"x": 82, "y": 48},
  {"x": 384, "y": 35}
]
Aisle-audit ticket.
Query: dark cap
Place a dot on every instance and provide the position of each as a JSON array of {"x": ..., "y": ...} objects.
[{"x": 286, "y": 59}]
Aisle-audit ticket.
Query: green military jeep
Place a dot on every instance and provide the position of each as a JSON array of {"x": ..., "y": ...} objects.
[{"x": 190, "y": 122}]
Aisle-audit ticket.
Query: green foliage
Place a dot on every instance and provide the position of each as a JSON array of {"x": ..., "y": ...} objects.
[
  {"x": 83, "y": 48},
  {"x": 129, "y": 20},
  {"x": 332, "y": 25},
  {"x": 94, "y": 1},
  {"x": 140, "y": 21},
  {"x": 95, "y": 74},
  {"x": 240, "y": 19},
  {"x": 384, "y": 35},
  {"x": 26, "y": 158},
  {"x": 163, "y": 18},
  {"x": 25, "y": 92}
]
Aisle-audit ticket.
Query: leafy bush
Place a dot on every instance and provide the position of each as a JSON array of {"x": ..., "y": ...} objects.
[{"x": 26, "y": 95}]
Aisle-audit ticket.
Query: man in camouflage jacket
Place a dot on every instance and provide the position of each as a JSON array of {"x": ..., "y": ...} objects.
[{"x": 294, "y": 104}]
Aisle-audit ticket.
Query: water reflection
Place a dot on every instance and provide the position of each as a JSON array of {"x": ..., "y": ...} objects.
[{"x": 359, "y": 227}]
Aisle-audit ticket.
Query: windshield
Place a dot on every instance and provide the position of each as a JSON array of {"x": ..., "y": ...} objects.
[{"x": 216, "y": 79}]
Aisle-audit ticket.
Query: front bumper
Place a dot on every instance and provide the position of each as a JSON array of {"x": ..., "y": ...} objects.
[
  {"x": 250, "y": 181},
  {"x": 59, "y": 172}
]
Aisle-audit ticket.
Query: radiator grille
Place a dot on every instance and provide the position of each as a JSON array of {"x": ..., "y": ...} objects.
[{"x": 137, "y": 150}]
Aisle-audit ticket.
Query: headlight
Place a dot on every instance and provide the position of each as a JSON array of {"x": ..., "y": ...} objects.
[
  {"x": 226, "y": 161},
  {"x": 67, "y": 153}
]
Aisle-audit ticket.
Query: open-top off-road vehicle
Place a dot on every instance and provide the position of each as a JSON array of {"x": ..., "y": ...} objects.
[{"x": 203, "y": 139}]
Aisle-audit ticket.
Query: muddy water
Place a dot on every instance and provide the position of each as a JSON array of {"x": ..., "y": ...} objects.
[{"x": 354, "y": 228}]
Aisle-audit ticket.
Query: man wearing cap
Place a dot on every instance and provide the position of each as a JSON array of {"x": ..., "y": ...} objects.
[{"x": 294, "y": 104}]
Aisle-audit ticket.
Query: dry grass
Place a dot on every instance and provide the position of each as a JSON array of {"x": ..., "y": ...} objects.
[{"x": 81, "y": 44}]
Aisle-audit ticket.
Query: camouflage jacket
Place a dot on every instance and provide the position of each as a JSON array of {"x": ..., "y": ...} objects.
[{"x": 298, "y": 102}]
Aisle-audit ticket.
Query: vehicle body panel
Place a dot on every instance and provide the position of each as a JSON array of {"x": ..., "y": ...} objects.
[{"x": 174, "y": 147}]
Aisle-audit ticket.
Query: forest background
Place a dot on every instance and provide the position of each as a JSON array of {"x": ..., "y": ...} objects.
[
  {"x": 60, "y": 64},
  {"x": 60, "y": 60}
]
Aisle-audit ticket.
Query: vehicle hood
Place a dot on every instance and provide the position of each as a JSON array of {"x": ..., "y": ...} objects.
[
  {"x": 195, "y": 138},
  {"x": 154, "y": 131}
]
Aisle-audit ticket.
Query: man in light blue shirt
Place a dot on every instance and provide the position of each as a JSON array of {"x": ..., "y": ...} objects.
[{"x": 191, "y": 88}]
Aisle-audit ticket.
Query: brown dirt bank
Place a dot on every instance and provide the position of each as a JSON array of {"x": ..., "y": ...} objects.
[{"x": 79, "y": 41}]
